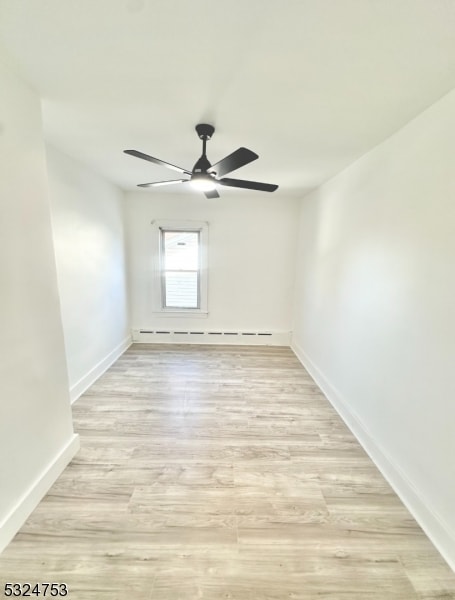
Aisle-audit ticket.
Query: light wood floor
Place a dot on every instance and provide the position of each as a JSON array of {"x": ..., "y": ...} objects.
[{"x": 211, "y": 472}]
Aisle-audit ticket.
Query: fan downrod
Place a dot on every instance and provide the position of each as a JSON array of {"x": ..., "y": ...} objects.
[{"x": 205, "y": 131}]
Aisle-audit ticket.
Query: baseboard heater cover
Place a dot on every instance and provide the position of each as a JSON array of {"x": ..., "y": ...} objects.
[{"x": 270, "y": 338}]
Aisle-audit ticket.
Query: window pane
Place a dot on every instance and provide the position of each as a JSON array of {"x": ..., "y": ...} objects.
[
  {"x": 181, "y": 289},
  {"x": 181, "y": 250}
]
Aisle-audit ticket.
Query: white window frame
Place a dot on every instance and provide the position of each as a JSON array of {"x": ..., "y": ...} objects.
[{"x": 200, "y": 227}]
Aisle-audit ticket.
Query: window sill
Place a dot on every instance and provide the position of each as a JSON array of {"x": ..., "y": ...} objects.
[{"x": 193, "y": 314}]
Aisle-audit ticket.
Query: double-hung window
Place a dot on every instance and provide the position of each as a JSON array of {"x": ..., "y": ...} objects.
[
  {"x": 180, "y": 269},
  {"x": 181, "y": 282}
]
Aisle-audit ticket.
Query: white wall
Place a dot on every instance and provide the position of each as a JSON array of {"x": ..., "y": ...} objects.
[
  {"x": 374, "y": 313},
  {"x": 251, "y": 258},
  {"x": 36, "y": 434},
  {"x": 87, "y": 219}
]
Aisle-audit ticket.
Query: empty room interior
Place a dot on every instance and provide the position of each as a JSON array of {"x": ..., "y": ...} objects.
[{"x": 227, "y": 299}]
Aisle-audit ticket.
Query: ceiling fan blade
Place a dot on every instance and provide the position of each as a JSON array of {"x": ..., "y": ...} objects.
[
  {"x": 157, "y": 161},
  {"x": 239, "y": 158},
  {"x": 248, "y": 185},
  {"x": 158, "y": 183},
  {"x": 211, "y": 194}
]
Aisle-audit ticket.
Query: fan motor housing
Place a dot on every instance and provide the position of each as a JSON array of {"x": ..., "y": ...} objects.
[
  {"x": 205, "y": 131},
  {"x": 201, "y": 165}
]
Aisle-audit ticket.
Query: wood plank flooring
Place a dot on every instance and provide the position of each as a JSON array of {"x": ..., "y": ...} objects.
[{"x": 221, "y": 472}]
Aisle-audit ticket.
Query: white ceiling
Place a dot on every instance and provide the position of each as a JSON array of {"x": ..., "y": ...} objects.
[{"x": 310, "y": 85}]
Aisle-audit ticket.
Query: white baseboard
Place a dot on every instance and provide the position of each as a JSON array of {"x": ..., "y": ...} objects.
[
  {"x": 433, "y": 524},
  {"x": 89, "y": 378},
  {"x": 39, "y": 488},
  {"x": 199, "y": 336}
]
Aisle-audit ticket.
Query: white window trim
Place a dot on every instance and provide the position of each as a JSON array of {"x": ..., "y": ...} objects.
[{"x": 156, "y": 292}]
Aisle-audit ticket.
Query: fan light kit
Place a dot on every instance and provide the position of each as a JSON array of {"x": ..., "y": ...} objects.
[
  {"x": 203, "y": 182},
  {"x": 205, "y": 176}
]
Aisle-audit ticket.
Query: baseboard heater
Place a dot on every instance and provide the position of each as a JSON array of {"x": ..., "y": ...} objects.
[{"x": 195, "y": 336}]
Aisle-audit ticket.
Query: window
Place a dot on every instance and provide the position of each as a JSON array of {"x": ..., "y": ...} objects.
[{"x": 180, "y": 284}]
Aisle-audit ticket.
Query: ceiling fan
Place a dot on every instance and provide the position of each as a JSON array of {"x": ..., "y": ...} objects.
[{"x": 206, "y": 176}]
